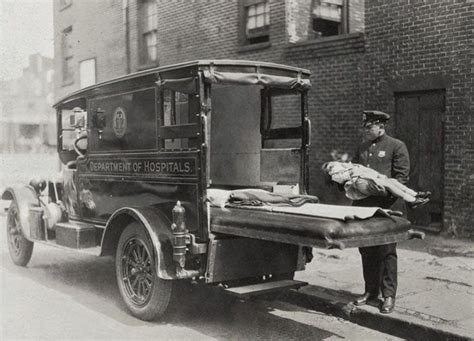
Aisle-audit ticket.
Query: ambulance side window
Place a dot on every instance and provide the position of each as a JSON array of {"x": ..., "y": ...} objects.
[
  {"x": 281, "y": 119},
  {"x": 68, "y": 134},
  {"x": 71, "y": 125},
  {"x": 179, "y": 120}
]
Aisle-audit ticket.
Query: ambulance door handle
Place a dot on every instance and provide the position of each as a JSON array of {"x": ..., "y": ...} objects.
[{"x": 307, "y": 132}]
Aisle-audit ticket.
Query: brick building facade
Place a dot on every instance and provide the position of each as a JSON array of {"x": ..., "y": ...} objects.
[{"x": 402, "y": 57}]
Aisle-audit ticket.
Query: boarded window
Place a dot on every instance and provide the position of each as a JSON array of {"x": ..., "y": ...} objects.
[{"x": 87, "y": 72}]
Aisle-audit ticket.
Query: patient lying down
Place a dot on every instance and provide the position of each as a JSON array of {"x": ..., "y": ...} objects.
[{"x": 361, "y": 182}]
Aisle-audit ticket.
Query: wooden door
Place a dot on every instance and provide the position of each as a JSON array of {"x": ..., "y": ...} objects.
[{"x": 419, "y": 123}]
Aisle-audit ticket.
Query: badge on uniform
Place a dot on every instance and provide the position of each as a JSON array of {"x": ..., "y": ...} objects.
[{"x": 381, "y": 153}]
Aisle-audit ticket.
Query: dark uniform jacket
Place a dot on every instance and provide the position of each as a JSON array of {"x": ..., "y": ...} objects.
[{"x": 388, "y": 156}]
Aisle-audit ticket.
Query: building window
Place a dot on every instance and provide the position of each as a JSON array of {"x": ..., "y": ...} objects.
[
  {"x": 87, "y": 72},
  {"x": 257, "y": 21},
  {"x": 330, "y": 17},
  {"x": 67, "y": 56},
  {"x": 148, "y": 24}
]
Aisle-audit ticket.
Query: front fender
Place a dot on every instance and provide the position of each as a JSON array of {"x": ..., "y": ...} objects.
[
  {"x": 158, "y": 227},
  {"x": 25, "y": 197}
]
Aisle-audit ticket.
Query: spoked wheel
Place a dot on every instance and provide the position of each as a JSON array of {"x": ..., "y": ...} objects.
[
  {"x": 146, "y": 295},
  {"x": 19, "y": 247}
]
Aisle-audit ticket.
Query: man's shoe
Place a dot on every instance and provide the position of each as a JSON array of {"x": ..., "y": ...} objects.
[
  {"x": 418, "y": 202},
  {"x": 363, "y": 299},
  {"x": 423, "y": 195},
  {"x": 388, "y": 305}
]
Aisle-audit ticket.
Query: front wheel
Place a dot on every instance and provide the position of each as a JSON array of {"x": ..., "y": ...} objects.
[
  {"x": 19, "y": 247},
  {"x": 145, "y": 294}
]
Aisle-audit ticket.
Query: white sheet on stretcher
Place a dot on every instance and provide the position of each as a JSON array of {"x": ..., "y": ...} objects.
[
  {"x": 219, "y": 198},
  {"x": 333, "y": 211}
]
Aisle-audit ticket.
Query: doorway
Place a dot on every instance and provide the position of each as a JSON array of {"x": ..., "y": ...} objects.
[{"x": 419, "y": 123}]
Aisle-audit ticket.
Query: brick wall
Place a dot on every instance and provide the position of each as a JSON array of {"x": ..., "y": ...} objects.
[
  {"x": 211, "y": 30},
  {"x": 299, "y": 23},
  {"x": 97, "y": 32},
  {"x": 424, "y": 45}
]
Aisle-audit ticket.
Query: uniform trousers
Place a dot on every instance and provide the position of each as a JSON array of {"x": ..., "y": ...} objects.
[
  {"x": 379, "y": 266},
  {"x": 379, "y": 263}
]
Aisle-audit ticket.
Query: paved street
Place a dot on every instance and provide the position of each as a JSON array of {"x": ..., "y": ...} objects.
[{"x": 64, "y": 295}]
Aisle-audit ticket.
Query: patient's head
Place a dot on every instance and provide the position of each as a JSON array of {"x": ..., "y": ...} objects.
[
  {"x": 338, "y": 171},
  {"x": 335, "y": 167}
]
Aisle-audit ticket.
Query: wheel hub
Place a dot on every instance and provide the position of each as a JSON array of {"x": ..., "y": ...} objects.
[{"x": 137, "y": 272}]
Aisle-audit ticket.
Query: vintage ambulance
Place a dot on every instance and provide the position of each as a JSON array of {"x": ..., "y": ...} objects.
[{"x": 153, "y": 163}]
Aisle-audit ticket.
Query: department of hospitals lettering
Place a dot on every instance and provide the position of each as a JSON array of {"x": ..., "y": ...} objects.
[{"x": 143, "y": 166}]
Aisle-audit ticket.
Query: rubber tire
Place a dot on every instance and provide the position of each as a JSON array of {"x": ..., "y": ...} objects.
[
  {"x": 23, "y": 256},
  {"x": 161, "y": 289}
]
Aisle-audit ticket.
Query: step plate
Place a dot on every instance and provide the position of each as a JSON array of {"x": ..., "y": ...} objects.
[
  {"x": 76, "y": 235},
  {"x": 263, "y": 288}
]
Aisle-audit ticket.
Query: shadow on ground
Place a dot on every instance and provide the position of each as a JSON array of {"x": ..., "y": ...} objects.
[{"x": 90, "y": 281}]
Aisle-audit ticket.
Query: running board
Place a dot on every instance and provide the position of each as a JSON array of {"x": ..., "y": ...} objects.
[{"x": 265, "y": 287}]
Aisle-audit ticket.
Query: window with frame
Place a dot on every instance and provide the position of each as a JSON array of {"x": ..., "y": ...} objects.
[
  {"x": 87, "y": 72},
  {"x": 281, "y": 125},
  {"x": 148, "y": 27},
  {"x": 179, "y": 126},
  {"x": 71, "y": 125},
  {"x": 329, "y": 17},
  {"x": 257, "y": 21},
  {"x": 67, "y": 56}
]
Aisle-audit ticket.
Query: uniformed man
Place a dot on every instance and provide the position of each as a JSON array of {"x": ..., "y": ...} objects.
[{"x": 388, "y": 156}]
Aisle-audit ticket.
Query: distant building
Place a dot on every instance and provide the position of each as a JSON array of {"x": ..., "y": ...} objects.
[
  {"x": 408, "y": 58},
  {"x": 27, "y": 120}
]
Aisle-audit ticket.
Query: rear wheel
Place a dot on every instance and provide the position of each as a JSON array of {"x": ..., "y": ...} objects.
[
  {"x": 145, "y": 294},
  {"x": 19, "y": 247}
]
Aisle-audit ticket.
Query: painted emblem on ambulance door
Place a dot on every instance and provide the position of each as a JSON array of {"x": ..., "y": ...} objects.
[
  {"x": 119, "y": 122},
  {"x": 381, "y": 153}
]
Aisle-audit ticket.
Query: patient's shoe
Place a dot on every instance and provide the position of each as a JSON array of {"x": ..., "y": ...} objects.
[
  {"x": 418, "y": 202},
  {"x": 423, "y": 195}
]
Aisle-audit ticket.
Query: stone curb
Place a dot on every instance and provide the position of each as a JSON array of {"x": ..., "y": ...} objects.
[{"x": 398, "y": 323}]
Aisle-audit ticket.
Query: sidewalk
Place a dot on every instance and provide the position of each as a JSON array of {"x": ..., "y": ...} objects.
[{"x": 435, "y": 298}]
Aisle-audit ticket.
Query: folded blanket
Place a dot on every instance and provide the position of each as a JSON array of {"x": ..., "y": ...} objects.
[{"x": 256, "y": 197}]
